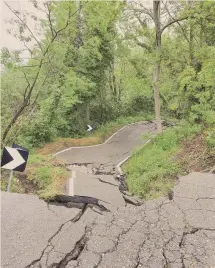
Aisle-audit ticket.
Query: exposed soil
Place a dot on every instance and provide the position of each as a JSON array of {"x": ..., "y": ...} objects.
[
  {"x": 61, "y": 144},
  {"x": 20, "y": 183},
  {"x": 195, "y": 156},
  {"x": 29, "y": 187}
]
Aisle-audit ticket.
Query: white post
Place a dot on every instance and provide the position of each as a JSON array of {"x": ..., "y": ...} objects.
[{"x": 10, "y": 180}]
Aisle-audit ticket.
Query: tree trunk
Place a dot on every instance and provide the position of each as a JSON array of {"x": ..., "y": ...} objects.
[
  {"x": 23, "y": 105},
  {"x": 79, "y": 38},
  {"x": 13, "y": 120},
  {"x": 156, "y": 80},
  {"x": 88, "y": 111},
  {"x": 191, "y": 36}
]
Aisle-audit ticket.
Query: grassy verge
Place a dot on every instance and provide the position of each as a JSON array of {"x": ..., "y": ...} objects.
[
  {"x": 151, "y": 171},
  {"x": 48, "y": 173},
  {"x": 44, "y": 176}
]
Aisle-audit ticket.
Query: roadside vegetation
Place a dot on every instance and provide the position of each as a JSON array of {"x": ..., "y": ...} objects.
[
  {"x": 153, "y": 170},
  {"x": 107, "y": 64},
  {"x": 44, "y": 176}
]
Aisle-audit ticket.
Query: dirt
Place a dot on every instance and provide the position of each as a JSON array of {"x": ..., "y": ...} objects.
[
  {"x": 195, "y": 156},
  {"x": 28, "y": 186},
  {"x": 20, "y": 183},
  {"x": 61, "y": 144}
]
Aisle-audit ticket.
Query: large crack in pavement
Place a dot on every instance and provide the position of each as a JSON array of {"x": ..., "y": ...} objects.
[
  {"x": 103, "y": 181},
  {"x": 49, "y": 252},
  {"x": 157, "y": 234},
  {"x": 49, "y": 244},
  {"x": 154, "y": 234},
  {"x": 76, "y": 251}
]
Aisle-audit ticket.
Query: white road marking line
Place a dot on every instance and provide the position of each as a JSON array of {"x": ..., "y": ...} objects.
[
  {"x": 118, "y": 166},
  {"x": 88, "y": 146},
  {"x": 71, "y": 183},
  {"x": 121, "y": 163}
]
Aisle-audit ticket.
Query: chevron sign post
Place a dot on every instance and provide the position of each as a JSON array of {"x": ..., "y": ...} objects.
[{"x": 14, "y": 158}]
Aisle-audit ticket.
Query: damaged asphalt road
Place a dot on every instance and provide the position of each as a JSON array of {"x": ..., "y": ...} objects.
[
  {"x": 163, "y": 233},
  {"x": 94, "y": 169}
]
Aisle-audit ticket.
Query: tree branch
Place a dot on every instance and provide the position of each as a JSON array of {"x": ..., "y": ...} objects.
[
  {"x": 26, "y": 78},
  {"x": 185, "y": 35},
  {"x": 145, "y": 10},
  {"x": 172, "y": 22},
  {"x": 25, "y": 25},
  {"x": 28, "y": 48},
  {"x": 143, "y": 45},
  {"x": 142, "y": 23},
  {"x": 50, "y": 21},
  {"x": 28, "y": 85}
]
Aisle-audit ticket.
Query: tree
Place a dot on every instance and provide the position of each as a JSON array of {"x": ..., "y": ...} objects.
[
  {"x": 162, "y": 19},
  {"x": 40, "y": 53}
]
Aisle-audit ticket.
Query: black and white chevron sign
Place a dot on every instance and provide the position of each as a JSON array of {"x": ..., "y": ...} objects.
[
  {"x": 89, "y": 128},
  {"x": 14, "y": 158}
]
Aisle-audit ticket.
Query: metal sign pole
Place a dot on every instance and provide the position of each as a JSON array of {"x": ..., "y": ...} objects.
[{"x": 10, "y": 180}]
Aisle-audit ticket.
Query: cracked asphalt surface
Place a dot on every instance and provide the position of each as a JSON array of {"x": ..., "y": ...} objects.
[
  {"x": 177, "y": 233},
  {"x": 162, "y": 233}
]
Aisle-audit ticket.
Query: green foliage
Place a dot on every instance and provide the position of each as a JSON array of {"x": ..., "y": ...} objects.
[
  {"x": 42, "y": 176},
  {"x": 100, "y": 68},
  {"x": 151, "y": 171},
  {"x": 15, "y": 186},
  {"x": 39, "y": 131}
]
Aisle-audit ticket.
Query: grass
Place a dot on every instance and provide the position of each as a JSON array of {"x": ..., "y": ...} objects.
[
  {"x": 108, "y": 129},
  {"x": 15, "y": 187},
  {"x": 151, "y": 171},
  {"x": 44, "y": 175},
  {"x": 48, "y": 174}
]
